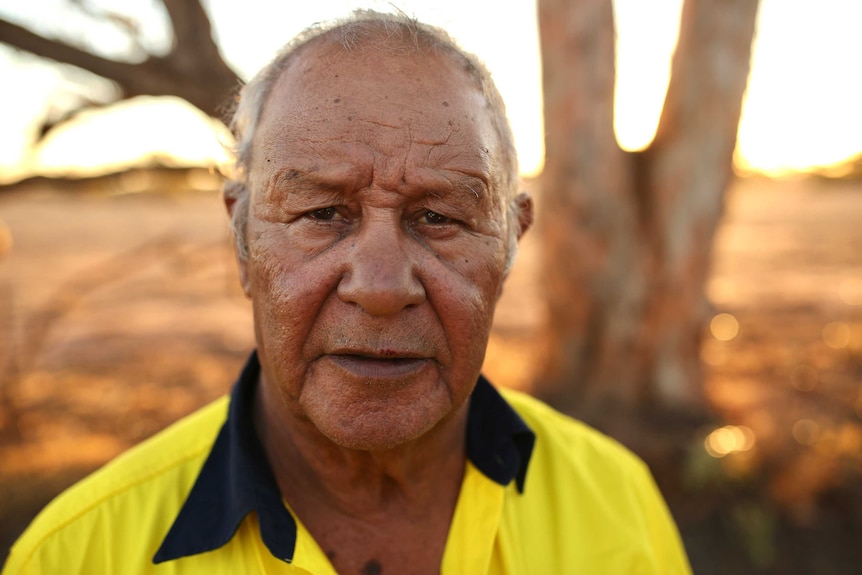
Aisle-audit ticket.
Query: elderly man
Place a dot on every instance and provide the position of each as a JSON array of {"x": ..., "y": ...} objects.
[{"x": 376, "y": 214}]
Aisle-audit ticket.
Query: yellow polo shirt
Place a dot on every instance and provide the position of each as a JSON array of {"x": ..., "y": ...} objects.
[{"x": 542, "y": 494}]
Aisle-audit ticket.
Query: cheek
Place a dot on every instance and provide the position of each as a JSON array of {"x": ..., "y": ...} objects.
[
  {"x": 464, "y": 294},
  {"x": 483, "y": 266},
  {"x": 287, "y": 293}
]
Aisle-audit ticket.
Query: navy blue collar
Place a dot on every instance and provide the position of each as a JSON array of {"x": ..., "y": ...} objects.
[{"x": 236, "y": 478}]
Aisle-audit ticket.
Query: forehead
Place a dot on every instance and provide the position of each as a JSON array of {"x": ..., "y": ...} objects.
[
  {"x": 327, "y": 91},
  {"x": 409, "y": 66}
]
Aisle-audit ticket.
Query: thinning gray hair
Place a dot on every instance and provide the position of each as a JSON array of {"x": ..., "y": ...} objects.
[{"x": 393, "y": 33}]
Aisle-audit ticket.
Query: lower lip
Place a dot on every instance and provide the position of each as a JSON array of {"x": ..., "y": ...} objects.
[{"x": 374, "y": 368}]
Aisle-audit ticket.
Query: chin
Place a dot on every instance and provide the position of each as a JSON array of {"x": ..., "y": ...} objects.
[{"x": 376, "y": 431}]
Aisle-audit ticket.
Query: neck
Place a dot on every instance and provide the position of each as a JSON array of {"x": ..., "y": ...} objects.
[{"x": 313, "y": 472}]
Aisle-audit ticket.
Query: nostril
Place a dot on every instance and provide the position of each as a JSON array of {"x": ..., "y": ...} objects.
[{"x": 381, "y": 288}]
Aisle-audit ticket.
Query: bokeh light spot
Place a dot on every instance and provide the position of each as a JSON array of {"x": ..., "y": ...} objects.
[
  {"x": 806, "y": 431},
  {"x": 850, "y": 439},
  {"x": 724, "y": 327},
  {"x": 729, "y": 439},
  {"x": 836, "y": 334},
  {"x": 850, "y": 291},
  {"x": 804, "y": 377}
]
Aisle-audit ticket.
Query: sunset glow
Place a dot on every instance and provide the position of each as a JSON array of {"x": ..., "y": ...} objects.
[
  {"x": 801, "y": 109},
  {"x": 147, "y": 124}
]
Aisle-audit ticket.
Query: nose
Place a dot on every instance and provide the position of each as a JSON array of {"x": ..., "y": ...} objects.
[{"x": 380, "y": 275}]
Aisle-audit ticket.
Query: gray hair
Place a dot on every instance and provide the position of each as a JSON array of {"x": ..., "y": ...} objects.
[{"x": 389, "y": 32}]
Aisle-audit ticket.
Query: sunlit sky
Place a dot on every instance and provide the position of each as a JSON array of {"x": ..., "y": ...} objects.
[{"x": 803, "y": 106}]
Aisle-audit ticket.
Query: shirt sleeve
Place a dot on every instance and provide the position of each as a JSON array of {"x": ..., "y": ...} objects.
[{"x": 666, "y": 543}]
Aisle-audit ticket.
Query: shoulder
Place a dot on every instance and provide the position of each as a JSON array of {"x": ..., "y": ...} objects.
[
  {"x": 569, "y": 440},
  {"x": 591, "y": 490},
  {"x": 127, "y": 504},
  {"x": 575, "y": 465}
]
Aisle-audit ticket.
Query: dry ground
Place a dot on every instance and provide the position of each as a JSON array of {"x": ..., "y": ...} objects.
[{"x": 120, "y": 312}]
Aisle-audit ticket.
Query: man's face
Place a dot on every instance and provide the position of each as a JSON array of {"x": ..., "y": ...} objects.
[{"x": 377, "y": 242}]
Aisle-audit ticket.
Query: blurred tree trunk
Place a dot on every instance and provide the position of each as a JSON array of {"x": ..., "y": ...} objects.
[
  {"x": 193, "y": 69},
  {"x": 628, "y": 236}
]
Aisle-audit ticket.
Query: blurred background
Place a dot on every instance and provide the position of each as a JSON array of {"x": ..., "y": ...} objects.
[{"x": 693, "y": 284}]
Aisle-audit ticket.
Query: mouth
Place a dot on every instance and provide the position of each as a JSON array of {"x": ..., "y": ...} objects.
[{"x": 379, "y": 365}]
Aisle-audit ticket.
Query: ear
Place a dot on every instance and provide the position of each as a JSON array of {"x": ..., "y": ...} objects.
[
  {"x": 524, "y": 204},
  {"x": 231, "y": 205},
  {"x": 242, "y": 266}
]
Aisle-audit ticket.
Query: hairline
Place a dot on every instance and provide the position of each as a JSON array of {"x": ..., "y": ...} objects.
[{"x": 366, "y": 29}]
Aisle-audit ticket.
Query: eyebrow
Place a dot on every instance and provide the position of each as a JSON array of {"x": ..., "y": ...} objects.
[
  {"x": 434, "y": 181},
  {"x": 346, "y": 177},
  {"x": 335, "y": 179}
]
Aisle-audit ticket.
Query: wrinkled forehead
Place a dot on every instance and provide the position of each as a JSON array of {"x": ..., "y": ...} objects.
[
  {"x": 385, "y": 69},
  {"x": 421, "y": 96}
]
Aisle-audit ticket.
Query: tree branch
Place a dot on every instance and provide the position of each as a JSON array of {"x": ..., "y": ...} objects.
[
  {"x": 687, "y": 171},
  {"x": 23, "y": 39},
  {"x": 193, "y": 70},
  {"x": 593, "y": 269},
  {"x": 696, "y": 136},
  {"x": 127, "y": 25},
  {"x": 192, "y": 29}
]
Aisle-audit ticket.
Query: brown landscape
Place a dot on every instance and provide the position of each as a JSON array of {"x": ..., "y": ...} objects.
[{"x": 120, "y": 312}]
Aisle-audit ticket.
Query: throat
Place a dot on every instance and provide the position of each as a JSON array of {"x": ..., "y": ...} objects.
[{"x": 391, "y": 547}]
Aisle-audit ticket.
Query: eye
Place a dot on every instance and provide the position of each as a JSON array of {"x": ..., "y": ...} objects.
[
  {"x": 435, "y": 218},
  {"x": 324, "y": 214}
]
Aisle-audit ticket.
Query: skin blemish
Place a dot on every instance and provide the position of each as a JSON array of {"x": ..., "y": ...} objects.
[
  {"x": 331, "y": 555},
  {"x": 373, "y": 567},
  {"x": 349, "y": 118},
  {"x": 337, "y": 100},
  {"x": 449, "y": 122},
  {"x": 445, "y": 103}
]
